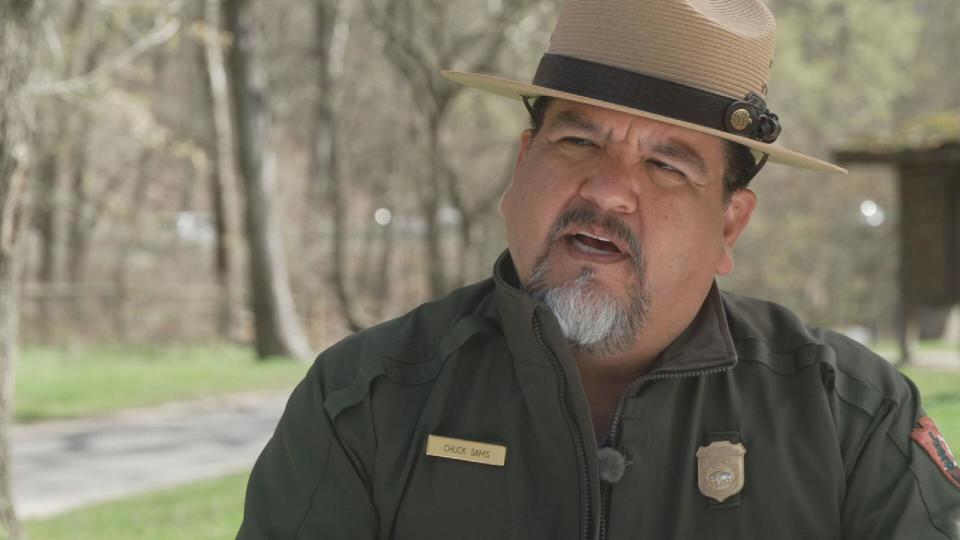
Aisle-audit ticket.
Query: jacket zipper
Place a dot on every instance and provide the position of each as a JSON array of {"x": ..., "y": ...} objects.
[
  {"x": 612, "y": 436},
  {"x": 575, "y": 429}
]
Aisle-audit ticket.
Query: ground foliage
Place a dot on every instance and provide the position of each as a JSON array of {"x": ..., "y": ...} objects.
[
  {"x": 206, "y": 510},
  {"x": 121, "y": 377}
]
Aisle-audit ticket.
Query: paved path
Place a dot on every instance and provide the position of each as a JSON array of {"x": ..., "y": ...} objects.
[{"x": 59, "y": 466}]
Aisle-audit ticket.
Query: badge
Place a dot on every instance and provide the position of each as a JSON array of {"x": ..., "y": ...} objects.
[
  {"x": 463, "y": 450},
  {"x": 741, "y": 119},
  {"x": 720, "y": 469},
  {"x": 929, "y": 438}
]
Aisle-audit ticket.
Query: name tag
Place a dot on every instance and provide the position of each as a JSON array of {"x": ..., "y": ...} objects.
[{"x": 459, "y": 449}]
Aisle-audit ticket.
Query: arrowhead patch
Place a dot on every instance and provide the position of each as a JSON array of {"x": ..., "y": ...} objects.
[{"x": 929, "y": 438}]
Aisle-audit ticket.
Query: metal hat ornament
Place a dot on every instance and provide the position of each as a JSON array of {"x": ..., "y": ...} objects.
[{"x": 697, "y": 64}]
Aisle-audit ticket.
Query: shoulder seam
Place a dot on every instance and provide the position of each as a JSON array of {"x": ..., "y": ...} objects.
[{"x": 402, "y": 373}]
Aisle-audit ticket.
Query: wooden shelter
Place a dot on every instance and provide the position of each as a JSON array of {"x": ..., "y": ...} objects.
[{"x": 926, "y": 156}]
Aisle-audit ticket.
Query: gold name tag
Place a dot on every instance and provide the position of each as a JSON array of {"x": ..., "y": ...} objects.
[{"x": 474, "y": 452}]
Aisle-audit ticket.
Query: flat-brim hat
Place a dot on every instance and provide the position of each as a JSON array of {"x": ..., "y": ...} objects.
[{"x": 697, "y": 64}]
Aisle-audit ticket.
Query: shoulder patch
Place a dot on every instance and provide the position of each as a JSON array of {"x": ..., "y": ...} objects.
[{"x": 929, "y": 438}]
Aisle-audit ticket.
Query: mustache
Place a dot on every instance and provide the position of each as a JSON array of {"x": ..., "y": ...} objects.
[{"x": 585, "y": 215}]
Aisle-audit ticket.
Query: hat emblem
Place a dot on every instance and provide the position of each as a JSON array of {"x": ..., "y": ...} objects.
[{"x": 740, "y": 119}]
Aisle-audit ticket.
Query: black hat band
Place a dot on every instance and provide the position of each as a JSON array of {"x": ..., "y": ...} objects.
[{"x": 747, "y": 117}]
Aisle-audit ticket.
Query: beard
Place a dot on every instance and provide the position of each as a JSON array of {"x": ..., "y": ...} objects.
[{"x": 592, "y": 318}]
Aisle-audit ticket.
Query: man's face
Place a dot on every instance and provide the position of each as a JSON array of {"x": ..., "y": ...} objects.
[{"x": 623, "y": 211}]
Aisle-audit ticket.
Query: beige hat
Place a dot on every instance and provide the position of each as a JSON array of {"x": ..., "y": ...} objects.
[{"x": 698, "y": 64}]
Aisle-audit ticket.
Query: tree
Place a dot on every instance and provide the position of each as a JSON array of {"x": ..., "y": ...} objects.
[
  {"x": 419, "y": 55},
  {"x": 331, "y": 20},
  {"x": 17, "y": 20},
  {"x": 219, "y": 164},
  {"x": 54, "y": 138},
  {"x": 277, "y": 329}
]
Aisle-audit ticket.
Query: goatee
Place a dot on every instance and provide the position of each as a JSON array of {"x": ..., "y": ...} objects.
[{"x": 593, "y": 319}]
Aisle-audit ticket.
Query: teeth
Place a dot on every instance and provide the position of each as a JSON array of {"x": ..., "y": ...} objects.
[
  {"x": 594, "y": 236},
  {"x": 590, "y": 249}
]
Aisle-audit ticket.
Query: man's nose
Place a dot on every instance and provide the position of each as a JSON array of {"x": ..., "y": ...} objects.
[{"x": 611, "y": 186}]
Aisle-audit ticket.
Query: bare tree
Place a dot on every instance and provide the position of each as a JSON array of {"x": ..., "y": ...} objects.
[
  {"x": 50, "y": 145},
  {"x": 276, "y": 326},
  {"x": 17, "y": 21},
  {"x": 419, "y": 56},
  {"x": 331, "y": 25},
  {"x": 220, "y": 166}
]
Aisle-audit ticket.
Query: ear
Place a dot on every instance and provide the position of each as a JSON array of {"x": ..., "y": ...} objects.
[
  {"x": 735, "y": 220},
  {"x": 526, "y": 139}
]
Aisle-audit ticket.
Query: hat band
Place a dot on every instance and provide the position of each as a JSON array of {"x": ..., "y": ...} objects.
[{"x": 746, "y": 117}]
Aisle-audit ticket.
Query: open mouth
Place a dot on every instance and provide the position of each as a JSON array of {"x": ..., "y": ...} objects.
[{"x": 594, "y": 245}]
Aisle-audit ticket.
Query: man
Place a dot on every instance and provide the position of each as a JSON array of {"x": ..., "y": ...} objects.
[{"x": 600, "y": 385}]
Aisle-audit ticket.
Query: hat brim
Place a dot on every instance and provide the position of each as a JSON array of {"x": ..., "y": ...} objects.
[{"x": 517, "y": 90}]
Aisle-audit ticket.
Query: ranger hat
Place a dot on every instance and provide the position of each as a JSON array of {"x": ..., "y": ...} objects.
[{"x": 698, "y": 64}]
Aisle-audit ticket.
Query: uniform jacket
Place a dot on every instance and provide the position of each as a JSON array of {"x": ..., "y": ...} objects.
[{"x": 835, "y": 442}]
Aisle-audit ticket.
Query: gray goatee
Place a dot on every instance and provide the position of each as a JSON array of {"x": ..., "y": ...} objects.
[{"x": 593, "y": 319}]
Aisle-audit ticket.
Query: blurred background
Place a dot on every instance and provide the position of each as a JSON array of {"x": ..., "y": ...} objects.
[{"x": 199, "y": 195}]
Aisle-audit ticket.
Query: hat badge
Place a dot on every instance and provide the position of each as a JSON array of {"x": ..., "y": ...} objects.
[
  {"x": 741, "y": 119},
  {"x": 720, "y": 471}
]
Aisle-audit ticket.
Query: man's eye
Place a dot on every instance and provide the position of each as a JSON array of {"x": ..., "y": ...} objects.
[
  {"x": 665, "y": 167},
  {"x": 577, "y": 141}
]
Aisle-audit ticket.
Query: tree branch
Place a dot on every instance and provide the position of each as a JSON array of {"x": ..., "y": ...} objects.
[{"x": 158, "y": 36}]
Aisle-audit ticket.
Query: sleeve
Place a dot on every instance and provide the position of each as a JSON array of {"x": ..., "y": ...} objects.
[
  {"x": 306, "y": 483},
  {"x": 902, "y": 488}
]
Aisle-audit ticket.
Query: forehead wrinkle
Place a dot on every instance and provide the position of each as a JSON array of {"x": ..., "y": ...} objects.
[
  {"x": 682, "y": 151},
  {"x": 571, "y": 118}
]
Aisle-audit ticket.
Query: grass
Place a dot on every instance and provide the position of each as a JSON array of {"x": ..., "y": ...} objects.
[
  {"x": 67, "y": 383},
  {"x": 891, "y": 349},
  {"x": 940, "y": 390},
  {"x": 205, "y": 510}
]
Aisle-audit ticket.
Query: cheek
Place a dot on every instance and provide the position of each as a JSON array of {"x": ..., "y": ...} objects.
[
  {"x": 679, "y": 242},
  {"x": 520, "y": 224}
]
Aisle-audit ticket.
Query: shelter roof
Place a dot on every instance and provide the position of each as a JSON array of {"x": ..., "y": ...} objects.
[{"x": 932, "y": 137}]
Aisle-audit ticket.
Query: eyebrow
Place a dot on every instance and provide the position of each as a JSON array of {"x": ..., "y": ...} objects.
[
  {"x": 570, "y": 118},
  {"x": 672, "y": 148},
  {"x": 682, "y": 151}
]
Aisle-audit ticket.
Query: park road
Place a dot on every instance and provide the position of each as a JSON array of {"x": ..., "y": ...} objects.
[{"x": 62, "y": 465}]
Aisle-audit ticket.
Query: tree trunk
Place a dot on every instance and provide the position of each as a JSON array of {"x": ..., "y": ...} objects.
[
  {"x": 277, "y": 329},
  {"x": 429, "y": 206},
  {"x": 331, "y": 25},
  {"x": 121, "y": 278},
  {"x": 16, "y": 34},
  {"x": 222, "y": 183},
  {"x": 81, "y": 225},
  {"x": 45, "y": 213},
  {"x": 79, "y": 233},
  {"x": 381, "y": 282}
]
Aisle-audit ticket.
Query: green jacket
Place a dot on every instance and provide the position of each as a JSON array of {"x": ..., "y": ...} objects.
[{"x": 827, "y": 427}]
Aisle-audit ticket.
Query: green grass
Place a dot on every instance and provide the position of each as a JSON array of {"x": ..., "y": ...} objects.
[
  {"x": 940, "y": 391},
  {"x": 890, "y": 349},
  {"x": 67, "y": 383},
  {"x": 205, "y": 510}
]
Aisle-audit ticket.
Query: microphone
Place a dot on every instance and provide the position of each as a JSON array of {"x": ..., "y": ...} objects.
[{"x": 612, "y": 464}]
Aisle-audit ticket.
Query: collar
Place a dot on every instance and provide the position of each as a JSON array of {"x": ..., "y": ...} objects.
[{"x": 705, "y": 345}]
